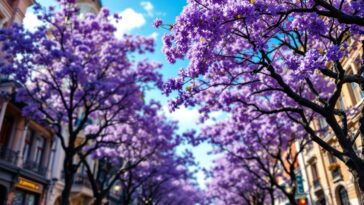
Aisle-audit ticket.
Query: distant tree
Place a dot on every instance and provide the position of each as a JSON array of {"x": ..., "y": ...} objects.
[
  {"x": 233, "y": 184},
  {"x": 262, "y": 152},
  {"x": 165, "y": 179},
  {"x": 147, "y": 137}
]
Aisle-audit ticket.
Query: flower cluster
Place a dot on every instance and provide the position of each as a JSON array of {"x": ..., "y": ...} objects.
[{"x": 278, "y": 61}]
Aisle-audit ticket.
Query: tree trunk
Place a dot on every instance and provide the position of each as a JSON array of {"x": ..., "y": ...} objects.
[
  {"x": 66, "y": 192},
  {"x": 98, "y": 200},
  {"x": 359, "y": 171},
  {"x": 359, "y": 179},
  {"x": 69, "y": 173},
  {"x": 126, "y": 198},
  {"x": 271, "y": 193}
]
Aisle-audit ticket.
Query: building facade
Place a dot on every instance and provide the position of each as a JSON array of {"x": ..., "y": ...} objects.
[
  {"x": 25, "y": 146},
  {"x": 329, "y": 181},
  {"x": 25, "y": 150}
]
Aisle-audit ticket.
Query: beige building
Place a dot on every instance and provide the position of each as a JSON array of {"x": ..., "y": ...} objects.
[{"x": 329, "y": 180}]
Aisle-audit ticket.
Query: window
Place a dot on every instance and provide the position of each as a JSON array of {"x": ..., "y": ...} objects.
[
  {"x": 357, "y": 63},
  {"x": 33, "y": 153},
  {"x": 28, "y": 145},
  {"x": 343, "y": 196},
  {"x": 314, "y": 171},
  {"x": 334, "y": 166},
  {"x": 332, "y": 158},
  {"x": 6, "y": 130},
  {"x": 322, "y": 123},
  {"x": 315, "y": 178},
  {"x": 34, "y": 147},
  {"x": 321, "y": 201},
  {"x": 39, "y": 150},
  {"x": 356, "y": 94},
  {"x": 22, "y": 197}
]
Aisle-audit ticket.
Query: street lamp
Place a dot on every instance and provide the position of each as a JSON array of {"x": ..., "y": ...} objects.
[{"x": 117, "y": 188}]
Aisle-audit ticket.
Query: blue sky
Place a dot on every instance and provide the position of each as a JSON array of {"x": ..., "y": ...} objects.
[{"x": 137, "y": 18}]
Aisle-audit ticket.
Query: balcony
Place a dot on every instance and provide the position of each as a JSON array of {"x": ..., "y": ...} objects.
[
  {"x": 8, "y": 155},
  {"x": 35, "y": 167}
]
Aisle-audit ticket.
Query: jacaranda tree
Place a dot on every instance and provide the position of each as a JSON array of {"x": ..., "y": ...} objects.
[
  {"x": 165, "y": 178},
  {"x": 276, "y": 57},
  {"x": 264, "y": 152},
  {"x": 76, "y": 77},
  {"x": 240, "y": 186},
  {"x": 147, "y": 137},
  {"x": 171, "y": 182}
]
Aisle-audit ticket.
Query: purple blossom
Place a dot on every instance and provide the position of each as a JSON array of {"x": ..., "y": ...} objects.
[
  {"x": 79, "y": 79},
  {"x": 157, "y": 22},
  {"x": 334, "y": 53},
  {"x": 259, "y": 62}
]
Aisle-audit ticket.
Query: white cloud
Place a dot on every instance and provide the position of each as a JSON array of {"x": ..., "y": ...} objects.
[
  {"x": 154, "y": 35},
  {"x": 130, "y": 19},
  {"x": 148, "y": 7},
  {"x": 31, "y": 22},
  {"x": 187, "y": 118}
]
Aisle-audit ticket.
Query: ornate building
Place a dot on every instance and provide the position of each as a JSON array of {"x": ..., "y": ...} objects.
[{"x": 329, "y": 180}]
